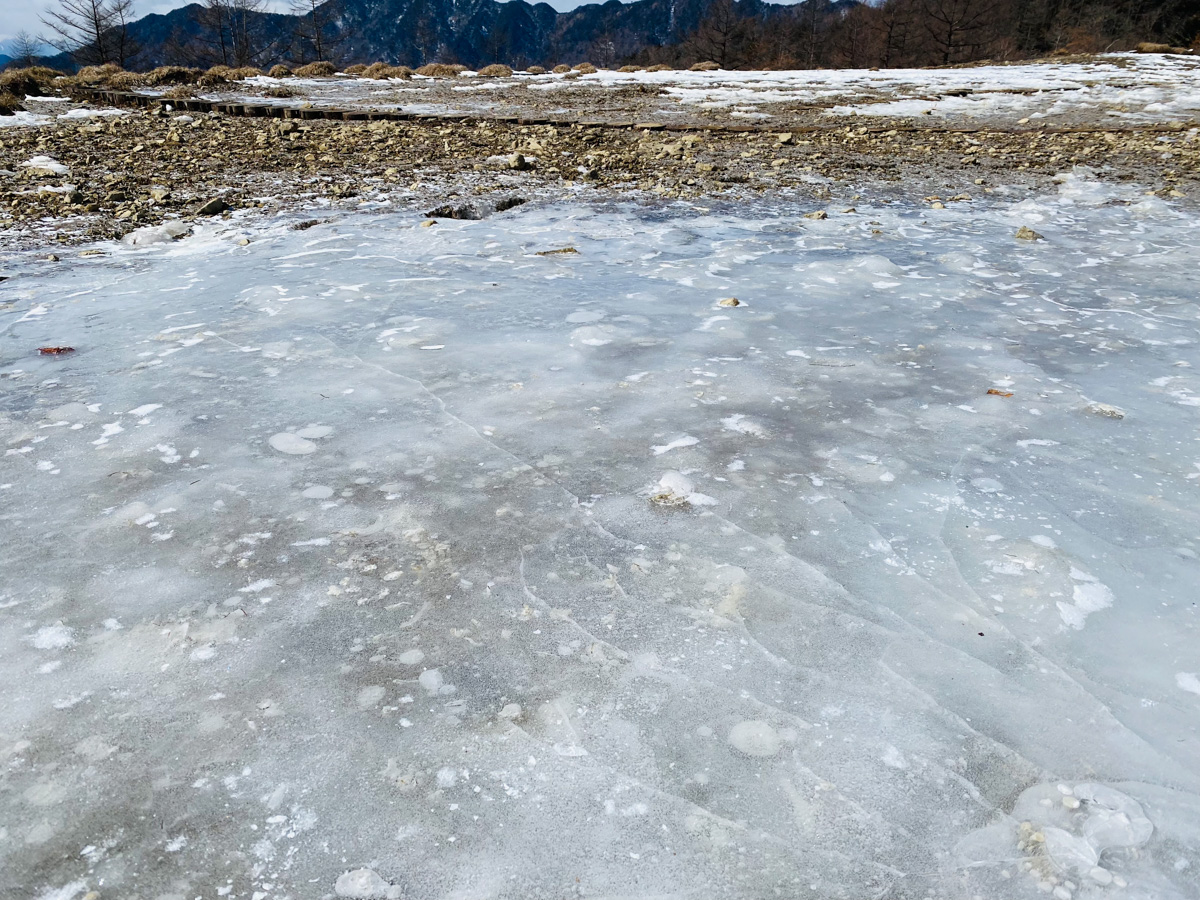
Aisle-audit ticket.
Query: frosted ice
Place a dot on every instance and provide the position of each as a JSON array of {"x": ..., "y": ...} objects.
[{"x": 860, "y": 629}]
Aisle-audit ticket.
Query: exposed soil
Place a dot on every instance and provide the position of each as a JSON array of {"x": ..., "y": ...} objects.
[{"x": 149, "y": 165}]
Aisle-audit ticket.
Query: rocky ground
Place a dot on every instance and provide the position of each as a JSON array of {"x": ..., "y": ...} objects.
[{"x": 143, "y": 167}]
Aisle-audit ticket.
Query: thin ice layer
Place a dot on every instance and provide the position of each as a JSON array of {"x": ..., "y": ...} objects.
[{"x": 290, "y": 602}]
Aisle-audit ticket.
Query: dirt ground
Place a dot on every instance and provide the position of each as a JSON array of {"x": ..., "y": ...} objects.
[{"x": 145, "y": 166}]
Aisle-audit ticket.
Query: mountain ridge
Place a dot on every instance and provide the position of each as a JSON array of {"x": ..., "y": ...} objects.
[{"x": 470, "y": 32}]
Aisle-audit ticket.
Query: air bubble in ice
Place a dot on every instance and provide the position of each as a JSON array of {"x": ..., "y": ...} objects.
[{"x": 754, "y": 737}]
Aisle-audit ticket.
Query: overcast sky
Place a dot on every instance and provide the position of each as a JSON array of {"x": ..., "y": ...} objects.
[{"x": 16, "y": 15}]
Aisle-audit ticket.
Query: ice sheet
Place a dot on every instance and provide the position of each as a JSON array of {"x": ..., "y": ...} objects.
[{"x": 380, "y": 560}]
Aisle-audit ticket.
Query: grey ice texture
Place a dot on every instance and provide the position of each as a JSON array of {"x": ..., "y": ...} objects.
[{"x": 379, "y": 560}]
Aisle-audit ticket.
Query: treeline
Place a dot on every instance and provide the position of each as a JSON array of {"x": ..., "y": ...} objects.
[
  {"x": 896, "y": 33},
  {"x": 734, "y": 34},
  {"x": 231, "y": 33},
  {"x": 241, "y": 33}
]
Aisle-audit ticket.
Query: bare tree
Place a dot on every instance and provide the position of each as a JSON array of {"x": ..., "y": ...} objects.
[
  {"x": 94, "y": 32},
  {"x": 317, "y": 35},
  {"x": 720, "y": 37},
  {"x": 25, "y": 47},
  {"x": 894, "y": 19},
  {"x": 958, "y": 28},
  {"x": 231, "y": 36},
  {"x": 810, "y": 32}
]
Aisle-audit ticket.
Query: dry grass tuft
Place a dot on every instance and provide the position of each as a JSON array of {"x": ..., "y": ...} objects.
[
  {"x": 9, "y": 103},
  {"x": 171, "y": 75},
  {"x": 316, "y": 70},
  {"x": 441, "y": 70},
  {"x": 382, "y": 71}
]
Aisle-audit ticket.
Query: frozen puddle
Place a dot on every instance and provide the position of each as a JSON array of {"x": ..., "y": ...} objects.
[{"x": 855, "y": 592}]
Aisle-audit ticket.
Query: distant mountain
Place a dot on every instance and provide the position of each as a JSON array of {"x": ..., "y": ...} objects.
[
  {"x": 4, "y": 60},
  {"x": 414, "y": 32}
]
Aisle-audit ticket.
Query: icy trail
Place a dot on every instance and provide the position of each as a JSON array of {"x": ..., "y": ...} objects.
[{"x": 501, "y": 574}]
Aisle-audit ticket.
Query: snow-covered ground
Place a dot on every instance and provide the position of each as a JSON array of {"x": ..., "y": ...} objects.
[
  {"x": 505, "y": 572},
  {"x": 1118, "y": 89},
  {"x": 1113, "y": 90}
]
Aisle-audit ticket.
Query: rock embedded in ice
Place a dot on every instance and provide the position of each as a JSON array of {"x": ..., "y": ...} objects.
[
  {"x": 676, "y": 489},
  {"x": 286, "y": 442},
  {"x": 365, "y": 884},
  {"x": 411, "y": 657},
  {"x": 1105, "y": 409},
  {"x": 741, "y": 425},
  {"x": 317, "y": 492},
  {"x": 213, "y": 207},
  {"x": 511, "y": 711},
  {"x": 755, "y": 737},
  {"x": 165, "y": 233}
]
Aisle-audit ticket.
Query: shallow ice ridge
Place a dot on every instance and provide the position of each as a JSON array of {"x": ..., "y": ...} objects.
[{"x": 374, "y": 560}]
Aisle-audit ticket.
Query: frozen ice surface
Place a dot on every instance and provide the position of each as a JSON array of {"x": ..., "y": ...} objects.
[{"x": 609, "y": 596}]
